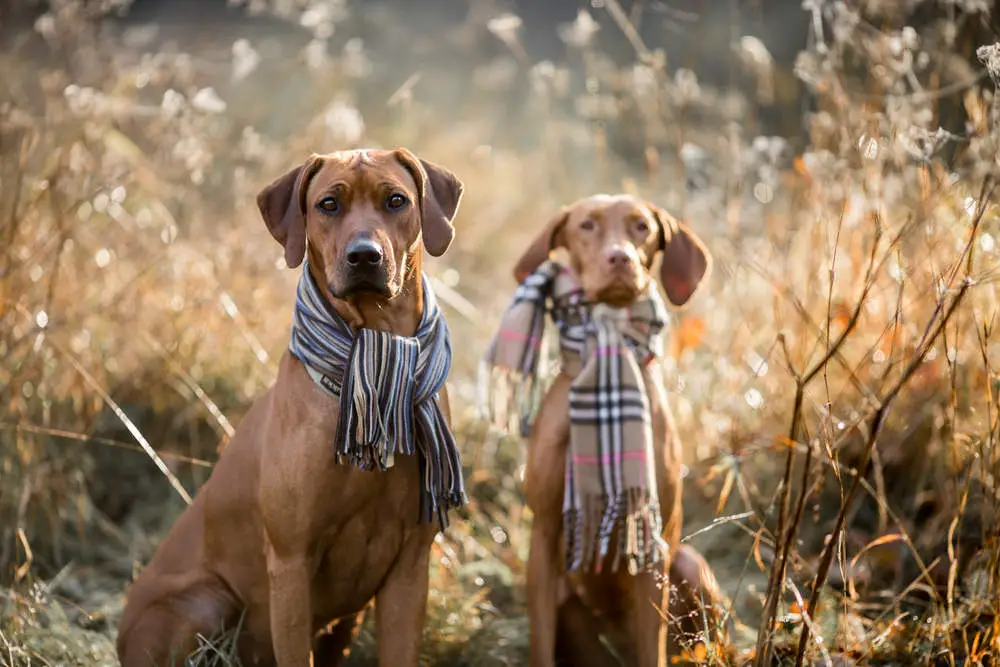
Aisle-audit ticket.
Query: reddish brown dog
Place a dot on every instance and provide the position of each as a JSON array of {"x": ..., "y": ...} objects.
[
  {"x": 280, "y": 533},
  {"x": 612, "y": 242},
  {"x": 696, "y": 612}
]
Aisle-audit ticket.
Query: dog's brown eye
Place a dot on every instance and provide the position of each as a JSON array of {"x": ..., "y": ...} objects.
[
  {"x": 328, "y": 205},
  {"x": 642, "y": 226},
  {"x": 587, "y": 225},
  {"x": 396, "y": 201}
]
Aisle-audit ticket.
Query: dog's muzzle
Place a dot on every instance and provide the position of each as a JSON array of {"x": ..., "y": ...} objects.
[{"x": 365, "y": 268}]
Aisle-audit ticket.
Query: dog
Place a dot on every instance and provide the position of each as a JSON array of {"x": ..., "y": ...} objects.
[
  {"x": 697, "y": 614},
  {"x": 285, "y": 539},
  {"x": 612, "y": 242}
]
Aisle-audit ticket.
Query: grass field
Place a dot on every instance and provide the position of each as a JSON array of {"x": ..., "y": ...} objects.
[{"x": 837, "y": 377}]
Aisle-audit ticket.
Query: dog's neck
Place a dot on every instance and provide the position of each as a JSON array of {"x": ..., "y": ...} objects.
[{"x": 400, "y": 314}]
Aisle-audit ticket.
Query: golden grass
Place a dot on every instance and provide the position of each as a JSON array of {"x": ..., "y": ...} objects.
[{"x": 143, "y": 305}]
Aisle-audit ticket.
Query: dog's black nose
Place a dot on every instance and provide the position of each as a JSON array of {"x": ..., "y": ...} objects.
[{"x": 363, "y": 253}]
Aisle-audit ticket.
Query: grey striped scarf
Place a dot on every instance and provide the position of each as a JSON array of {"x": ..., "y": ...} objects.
[
  {"x": 610, "y": 479},
  {"x": 388, "y": 389}
]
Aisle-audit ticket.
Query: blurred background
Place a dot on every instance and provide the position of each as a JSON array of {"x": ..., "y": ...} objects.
[{"x": 837, "y": 158}]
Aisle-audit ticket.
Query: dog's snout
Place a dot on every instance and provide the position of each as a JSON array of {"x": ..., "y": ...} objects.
[
  {"x": 617, "y": 258},
  {"x": 363, "y": 252},
  {"x": 366, "y": 265}
]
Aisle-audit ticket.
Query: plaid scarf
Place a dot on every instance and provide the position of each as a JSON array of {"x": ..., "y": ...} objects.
[
  {"x": 388, "y": 389},
  {"x": 610, "y": 480}
]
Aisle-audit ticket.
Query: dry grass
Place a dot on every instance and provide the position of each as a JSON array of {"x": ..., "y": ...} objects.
[{"x": 845, "y": 347}]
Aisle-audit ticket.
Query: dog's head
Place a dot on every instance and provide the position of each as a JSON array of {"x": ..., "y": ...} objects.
[
  {"x": 612, "y": 241},
  {"x": 363, "y": 215}
]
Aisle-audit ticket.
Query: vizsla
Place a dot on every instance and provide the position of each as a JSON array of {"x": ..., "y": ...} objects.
[
  {"x": 283, "y": 535},
  {"x": 696, "y": 615},
  {"x": 612, "y": 242}
]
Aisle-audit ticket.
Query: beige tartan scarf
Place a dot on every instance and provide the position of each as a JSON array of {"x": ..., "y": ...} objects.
[{"x": 610, "y": 479}]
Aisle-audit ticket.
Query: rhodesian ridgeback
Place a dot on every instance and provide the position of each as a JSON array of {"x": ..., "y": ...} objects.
[
  {"x": 286, "y": 537},
  {"x": 612, "y": 242}
]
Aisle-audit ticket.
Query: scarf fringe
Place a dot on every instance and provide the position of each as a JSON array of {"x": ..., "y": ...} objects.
[
  {"x": 507, "y": 399},
  {"x": 451, "y": 492},
  {"x": 589, "y": 532}
]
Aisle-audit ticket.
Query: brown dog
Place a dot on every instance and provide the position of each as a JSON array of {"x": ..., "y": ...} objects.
[
  {"x": 612, "y": 242},
  {"x": 281, "y": 535},
  {"x": 697, "y": 615}
]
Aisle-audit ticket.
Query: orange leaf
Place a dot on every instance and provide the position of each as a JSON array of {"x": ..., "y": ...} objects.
[
  {"x": 700, "y": 652},
  {"x": 879, "y": 541},
  {"x": 840, "y": 315},
  {"x": 800, "y": 166},
  {"x": 727, "y": 488},
  {"x": 688, "y": 334},
  {"x": 785, "y": 441},
  {"x": 756, "y": 550},
  {"x": 697, "y": 654}
]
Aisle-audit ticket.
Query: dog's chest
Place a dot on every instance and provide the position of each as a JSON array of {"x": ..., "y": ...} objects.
[{"x": 374, "y": 517}]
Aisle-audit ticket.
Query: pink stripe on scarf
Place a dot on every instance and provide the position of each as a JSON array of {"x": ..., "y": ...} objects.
[
  {"x": 608, "y": 458},
  {"x": 511, "y": 334}
]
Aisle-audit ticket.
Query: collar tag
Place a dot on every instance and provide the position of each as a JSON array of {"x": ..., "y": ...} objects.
[{"x": 324, "y": 383}]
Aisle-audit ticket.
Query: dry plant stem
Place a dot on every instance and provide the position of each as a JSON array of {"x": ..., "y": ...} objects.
[
  {"x": 803, "y": 313},
  {"x": 826, "y": 559},
  {"x": 935, "y": 326},
  {"x": 194, "y": 387},
  {"x": 832, "y": 351},
  {"x": 129, "y": 425},
  {"x": 13, "y": 219},
  {"x": 635, "y": 15},
  {"x": 110, "y": 442},
  {"x": 625, "y": 25},
  {"x": 786, "y": 533},
  {"x": 840, "y": 469}
]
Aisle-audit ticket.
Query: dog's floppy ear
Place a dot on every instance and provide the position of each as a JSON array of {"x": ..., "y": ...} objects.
[
  {"x": 282, "y": 206},
  {"x": 685, "y": 262},
  {"x": 547, "y": 240},
  {"x": 440, "y": 193}
]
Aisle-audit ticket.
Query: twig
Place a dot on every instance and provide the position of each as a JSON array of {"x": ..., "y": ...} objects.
[
  {"x": 122, "y": 416},
  {"x": 620, "y": 18},
  {"x": 128, "y": 423},
  {"x": 718, "y": 521},
  {"x": 193, "y": 385},
  {"x": 83, "y": 437},
  {"x": 29, "y": 558},
  {"x": 938, "y": 321},
  {"x": 785, "y": 533}
]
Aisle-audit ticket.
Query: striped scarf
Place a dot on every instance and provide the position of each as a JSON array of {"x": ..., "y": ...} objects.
[
  {"x": 388, "y": 390},
  {"x": 610, "y": 478}
]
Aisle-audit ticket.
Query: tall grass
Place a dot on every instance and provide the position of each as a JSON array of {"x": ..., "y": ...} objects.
[{"x": 834, "y": 386}]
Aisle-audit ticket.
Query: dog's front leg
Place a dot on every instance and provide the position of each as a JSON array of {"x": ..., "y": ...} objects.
[
  {"x": 543, "y": 579},
  {"x": 545, "y": 480},
  {"x": 289, "y": 567},
  {"x": 291, "y": 611},
  {"x": 401, "y": 604},
  {"x": 649, "y": 596}
]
